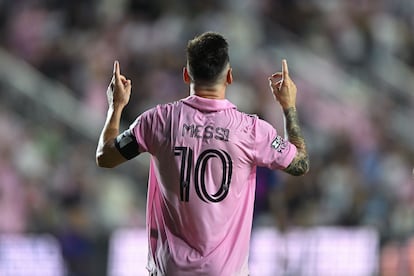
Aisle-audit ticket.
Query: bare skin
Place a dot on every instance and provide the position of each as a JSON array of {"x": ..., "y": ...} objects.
[{"x": 284, "y": 90}]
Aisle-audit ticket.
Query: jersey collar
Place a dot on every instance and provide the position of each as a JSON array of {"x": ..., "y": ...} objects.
[{"x": 208, "y": 105}]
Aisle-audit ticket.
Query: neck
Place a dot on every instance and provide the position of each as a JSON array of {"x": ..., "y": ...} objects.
[{"x": 217, "y": 92}]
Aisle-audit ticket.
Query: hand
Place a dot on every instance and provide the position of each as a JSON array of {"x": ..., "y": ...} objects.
[
  {"x": 119, "y": 90},
  {"x": 283, "y": 88}
]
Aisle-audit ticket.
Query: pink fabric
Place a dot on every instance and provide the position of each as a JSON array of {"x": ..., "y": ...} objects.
[{"x": 202, "y": 183}]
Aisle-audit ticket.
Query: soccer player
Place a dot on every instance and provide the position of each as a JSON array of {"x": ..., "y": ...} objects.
[{"x": 204, "y": 154}]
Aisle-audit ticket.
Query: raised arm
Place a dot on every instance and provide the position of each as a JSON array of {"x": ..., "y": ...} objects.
[
  {"x": 284, "y": 90},
  {"x": 118, "y": 94}
]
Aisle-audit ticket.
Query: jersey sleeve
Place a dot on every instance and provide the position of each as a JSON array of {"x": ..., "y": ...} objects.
[
  {"x": 143, "y": 130},
  {"x": 271, "y": 150}
]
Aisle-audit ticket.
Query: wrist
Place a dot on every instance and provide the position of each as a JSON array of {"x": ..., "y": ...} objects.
[
  {"x": 116, "y": 107},
  {"x": 288, "y": 108},
  {"x": 114, "y": 113}
]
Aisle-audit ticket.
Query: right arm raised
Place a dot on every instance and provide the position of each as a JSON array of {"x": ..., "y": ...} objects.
[
  {"x": 284, "y": 90},
  {"x": 118, "y": 93}
]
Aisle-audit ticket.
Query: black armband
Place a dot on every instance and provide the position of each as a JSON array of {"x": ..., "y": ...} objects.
[{"x": 127, "y": 144}]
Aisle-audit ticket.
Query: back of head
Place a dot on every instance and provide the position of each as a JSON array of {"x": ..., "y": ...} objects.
[{"x": 207, "y": 58}]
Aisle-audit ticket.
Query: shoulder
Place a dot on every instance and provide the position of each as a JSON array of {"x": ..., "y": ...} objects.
[
  {"x": 246, "y": 116},
  {"x": 165, "y": 107},
  {"x": 263, "y": 128},
  {"x": 158, "y": 111},
  {"x": 250, "y": 115}
]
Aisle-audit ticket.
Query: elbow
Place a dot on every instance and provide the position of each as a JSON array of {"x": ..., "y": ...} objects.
[
  {"x": 302, "y": 171},
  {"x": 298, "y": 167},
  {"x": 103, "y": 162}
]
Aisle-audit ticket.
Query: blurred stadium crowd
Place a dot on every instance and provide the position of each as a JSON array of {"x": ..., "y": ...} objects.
[{"x": 361, "y": 156}]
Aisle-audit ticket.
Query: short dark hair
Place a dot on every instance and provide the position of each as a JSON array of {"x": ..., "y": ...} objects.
[{"x": 207, "y": 56}]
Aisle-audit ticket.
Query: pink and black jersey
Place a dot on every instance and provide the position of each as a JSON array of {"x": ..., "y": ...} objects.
[{"x": 201, "y": 186}]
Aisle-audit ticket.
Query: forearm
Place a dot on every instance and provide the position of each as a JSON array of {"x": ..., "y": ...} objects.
[
  {"x": 300, "y": 164},
  {"x": 106, "y": 146},
  {"x": 293, "y": 129},
  {"x": 112, "y": 124}
]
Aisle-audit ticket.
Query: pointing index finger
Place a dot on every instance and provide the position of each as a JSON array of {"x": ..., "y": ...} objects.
[
  {"x": 285, "y": 70},
  {"x": 116, "y": 71}
]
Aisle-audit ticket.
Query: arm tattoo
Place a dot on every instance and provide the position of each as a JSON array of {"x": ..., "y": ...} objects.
[{"x": 300, "y": 164}]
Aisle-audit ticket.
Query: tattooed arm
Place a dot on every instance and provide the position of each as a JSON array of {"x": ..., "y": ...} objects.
[
  {"x": 284, "y": 90},
  {"x": 300, "y": 163}
]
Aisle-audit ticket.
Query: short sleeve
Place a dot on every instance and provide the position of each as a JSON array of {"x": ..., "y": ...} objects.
[
  {"x": 143, "y": 129},
  {"x": 271, "y": 150}
]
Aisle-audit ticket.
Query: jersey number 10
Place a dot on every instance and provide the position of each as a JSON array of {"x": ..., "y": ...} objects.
[{"x": 187, "y": 157}]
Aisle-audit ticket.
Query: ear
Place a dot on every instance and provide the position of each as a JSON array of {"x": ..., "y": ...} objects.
[
  {"x": 229, "y": 77},
  {"x": 186, "y": 76}
]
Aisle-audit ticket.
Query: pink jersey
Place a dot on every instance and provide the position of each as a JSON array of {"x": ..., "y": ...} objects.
[{"x": 202, "y": 183}]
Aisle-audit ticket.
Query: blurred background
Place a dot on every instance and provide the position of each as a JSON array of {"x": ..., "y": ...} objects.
[{"x": 352, "y": 61}]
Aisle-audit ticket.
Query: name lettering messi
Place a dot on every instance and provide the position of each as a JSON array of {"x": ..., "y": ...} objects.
[{"x": 205, "y": 132}]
